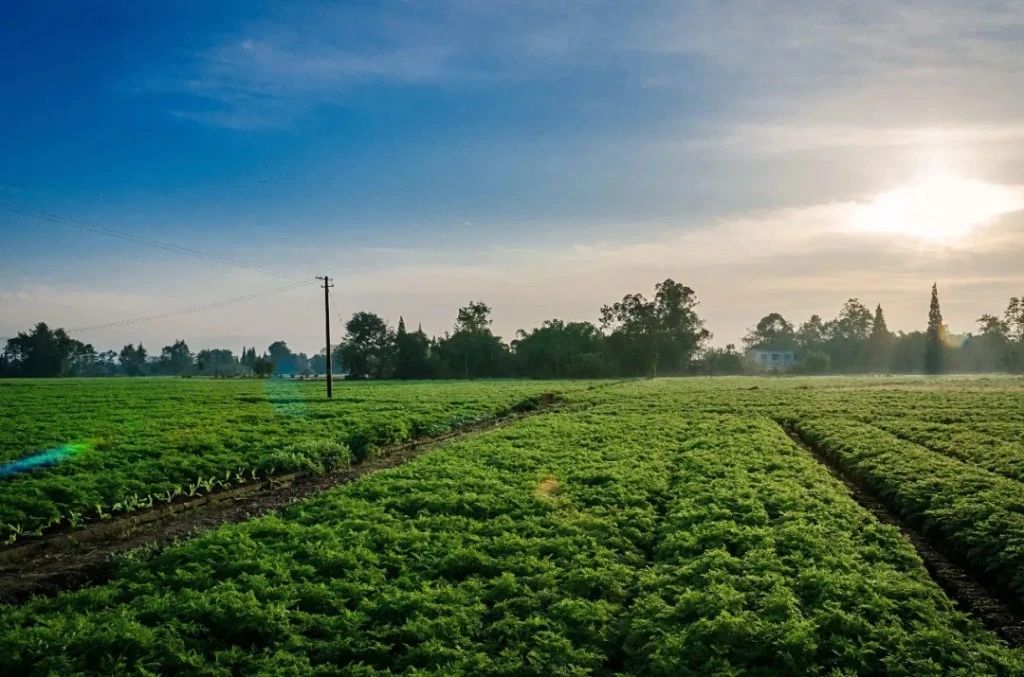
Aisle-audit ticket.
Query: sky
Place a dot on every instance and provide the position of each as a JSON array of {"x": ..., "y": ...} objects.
[{"x": 546, "y": 158}]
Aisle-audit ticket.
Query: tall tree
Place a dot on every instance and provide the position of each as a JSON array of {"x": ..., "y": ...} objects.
[
  {"x": 368, "y": 347},
  {"x": 935, "y": 347},
  {"x": 216, "y": 362},
  {"x": 811, "y": 334},
  {"x": 176, "y": 359},
  {"x": 879, "y": 345},
  {"x": 244, "y": 358},
  {"x": 664, "y": 331},
  {"x": 412, "y": 358},
  {"x": 475, "y": 317},
  {"x": 847, "y": 335},
  {"x": 41, "y": 352},
  {"x": 473, "y": 350},
  {"x": 634, "y": 333},
  {"x": 682, "y": 331},
  {"x": 989, "y": 349},
  {"x": 133, "y": 360},
  {"x": 84, "y": 361},
  {"x": 285, "y": 361},
  {"x": 1013, "y": 318},
  {"x": 723, "y": 361},
  {"x": 773, "y": 332}
]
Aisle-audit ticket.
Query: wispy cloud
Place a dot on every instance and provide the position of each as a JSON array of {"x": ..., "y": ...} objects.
[
  {"x": 792, "y": 136},
  {"x": 269, "y": 73},
  {"x": 848, "y": 61}
]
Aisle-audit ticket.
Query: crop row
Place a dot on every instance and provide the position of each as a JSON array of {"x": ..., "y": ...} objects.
[
  {"x": 151, "y": 441},
  {"x": 511, "y": 553},
  {"x": 990, "y": 452},
  {"x": 624, "y": 537},
  {"x": 977, "y": 513},
  {"x": 765, "y": 564}
]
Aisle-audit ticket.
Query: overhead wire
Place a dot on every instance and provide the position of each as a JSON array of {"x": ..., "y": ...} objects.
[
  {"x": 186, "y": 310},
  {"x": 169, "y": 247}
]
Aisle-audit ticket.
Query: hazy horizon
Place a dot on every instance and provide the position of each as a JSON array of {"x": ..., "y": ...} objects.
[{"x": 546, "y": 160}]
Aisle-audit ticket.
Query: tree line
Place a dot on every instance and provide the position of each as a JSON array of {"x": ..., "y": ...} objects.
[
  {"x": 858, "y": 340},
  {"x": 635, "y": 336}
]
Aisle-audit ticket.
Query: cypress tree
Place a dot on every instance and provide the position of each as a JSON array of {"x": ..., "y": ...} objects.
[
  {"x": 879, "y": 342},
  {"x": 402, "y": 356},
  {"x": 935, "y": 341}
]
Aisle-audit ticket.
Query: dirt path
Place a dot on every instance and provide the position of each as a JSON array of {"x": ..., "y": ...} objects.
[
  {"x": 970, "y": 593},
  {"x": 76, "y": 558}
]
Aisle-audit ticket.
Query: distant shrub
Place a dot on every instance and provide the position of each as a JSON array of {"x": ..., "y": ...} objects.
[
  {"x": 367, "y": 440},
  {"x": 331, "y": 454},
  {"x": 307, "y": 455},
  {"x": 287, "y": 461}
]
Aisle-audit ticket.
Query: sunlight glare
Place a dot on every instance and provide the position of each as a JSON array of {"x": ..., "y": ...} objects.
[{"x": 938, "y": 208}]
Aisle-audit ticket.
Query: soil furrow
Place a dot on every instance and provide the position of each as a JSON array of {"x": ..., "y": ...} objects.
[{"x": 968, "y": 592}]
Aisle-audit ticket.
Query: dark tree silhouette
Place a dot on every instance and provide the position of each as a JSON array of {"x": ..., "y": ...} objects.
[
  {"x": 473, "y": 350},
  {"x": 646, "y": 334},
  {"x": 176, "y": 359},
  {"x": 935, "y": 345},
  {"x": 412, "y": 353},
  {"x": 368, "y": 347},
  {"x": 773, "y": 332},
  {"x": 133, "y": 360},
  {"x": 879, "y": 344},
  {"x": 42, "y": 352}
]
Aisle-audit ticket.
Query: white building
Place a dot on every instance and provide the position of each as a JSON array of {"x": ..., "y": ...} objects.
[{"x": 767, "y": 359}]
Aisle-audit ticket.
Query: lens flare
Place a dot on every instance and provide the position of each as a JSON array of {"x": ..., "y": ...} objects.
[
  {"x": 286, "y": 396},
  {"x": 43, "y": 459}
]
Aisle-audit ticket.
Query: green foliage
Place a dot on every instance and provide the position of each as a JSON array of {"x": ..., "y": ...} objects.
[
  {"x": 152, "y": 437},
  {"x": 669, "y": 528},
  {"x": 367, "y": 351},
  {"x": 975, "y": 511},
  {"x": 763, "y": 561},
  {"x": 773, "y": 332},
  {"x": 558, "y": 349},
  {"x": 662, "y": 333}
]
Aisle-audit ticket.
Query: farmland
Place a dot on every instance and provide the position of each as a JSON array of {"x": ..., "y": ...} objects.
[
  {"x": 673, "y": 526},
  {"x": 133, "y": 443}
]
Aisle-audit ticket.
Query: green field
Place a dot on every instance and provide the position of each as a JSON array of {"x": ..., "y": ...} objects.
[
  {"x": 136, "y": 442},
  {"x": 660, "y": 527}
]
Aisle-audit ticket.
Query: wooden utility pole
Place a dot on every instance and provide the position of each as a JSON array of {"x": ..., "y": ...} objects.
[{"x": 327, "y": 332}]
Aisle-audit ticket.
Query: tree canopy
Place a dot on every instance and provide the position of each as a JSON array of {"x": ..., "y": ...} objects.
[{"x": 647, "y": 334}]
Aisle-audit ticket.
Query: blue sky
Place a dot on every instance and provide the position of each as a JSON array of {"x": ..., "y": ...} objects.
[{"x": 547, "y": 157}]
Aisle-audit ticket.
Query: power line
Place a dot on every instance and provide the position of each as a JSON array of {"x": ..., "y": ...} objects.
[
  {"x": 189, "y": 309},
  {"x": 130, "y": 237}
]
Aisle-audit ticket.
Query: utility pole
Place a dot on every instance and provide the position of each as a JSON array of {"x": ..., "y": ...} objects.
[{"x": 327, "y": 332}]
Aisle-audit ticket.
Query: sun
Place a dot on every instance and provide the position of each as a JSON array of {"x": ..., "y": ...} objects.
[{"x": 938, "y": 208}]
